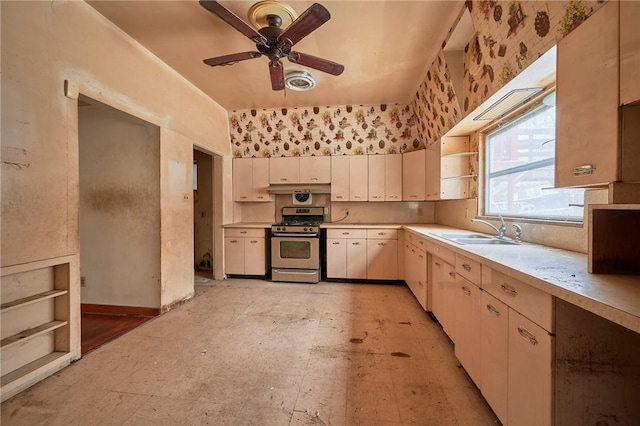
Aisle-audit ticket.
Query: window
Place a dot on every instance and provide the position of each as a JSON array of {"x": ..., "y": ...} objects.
[{"x": 520, "y": 158}]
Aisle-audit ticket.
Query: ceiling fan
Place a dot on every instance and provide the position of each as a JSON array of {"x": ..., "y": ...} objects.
[{"x": 274, "y": 42}]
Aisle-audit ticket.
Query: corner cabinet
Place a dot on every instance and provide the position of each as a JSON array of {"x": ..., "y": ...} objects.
[
  {"x": 413, "y": 176},
  {"x": 587, "y": 96},
  {"x": 448, "y": 169},
  {"x": 250, "y": 179},
  {"x": 40, "y": 331}
]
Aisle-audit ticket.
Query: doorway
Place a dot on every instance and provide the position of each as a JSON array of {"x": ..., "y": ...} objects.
[
  {"x": 119, "y": 212},
  {"x": 203, "y": 215}
]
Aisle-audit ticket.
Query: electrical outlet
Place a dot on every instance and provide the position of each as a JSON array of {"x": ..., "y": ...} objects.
[{"x": 83, "y": 281}]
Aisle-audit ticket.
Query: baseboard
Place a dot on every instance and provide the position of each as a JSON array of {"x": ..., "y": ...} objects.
[{"x": 91, "y": 308}]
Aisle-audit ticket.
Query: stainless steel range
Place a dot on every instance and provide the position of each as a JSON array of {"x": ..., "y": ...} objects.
[{"x": 295, "y": 245}]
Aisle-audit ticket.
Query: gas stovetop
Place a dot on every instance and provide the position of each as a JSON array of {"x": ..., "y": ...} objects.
[{"x": 300, "y": 220}]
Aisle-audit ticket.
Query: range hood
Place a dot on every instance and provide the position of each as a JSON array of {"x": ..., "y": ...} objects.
[{"x": 289, "y": 188}]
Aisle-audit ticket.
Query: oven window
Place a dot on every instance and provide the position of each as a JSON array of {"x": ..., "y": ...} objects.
[{"x": 295, "y": 249}]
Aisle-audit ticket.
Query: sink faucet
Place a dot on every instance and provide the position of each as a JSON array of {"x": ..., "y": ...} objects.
[
  {"x": 518, "y": 229},
  {"x": 502, "y": 231}
]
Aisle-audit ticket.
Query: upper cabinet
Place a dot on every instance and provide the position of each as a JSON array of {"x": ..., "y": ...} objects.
[
  {"x": 284, "y": 170},
  {"x": 413, "y": 176},
  {"x": 349, "y": 178},
  {"x": 315, "y": 169},
  {"x": 629, "y": 52},
  {"x": 454, "y": 167},
  {"x": 300, "y": 170},
  {"x": 385, "y": 177},
  {"x": 250, "y": 179},
  {"x": 587, "y": 97}
]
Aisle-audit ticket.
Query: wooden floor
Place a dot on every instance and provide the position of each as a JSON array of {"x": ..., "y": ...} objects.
[{"x": 98, "y": 329}]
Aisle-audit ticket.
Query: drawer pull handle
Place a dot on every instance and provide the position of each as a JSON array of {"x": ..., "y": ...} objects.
[
  {"x": 527, "y": 336},
  {"x": 509, "y": 290},
  {"x": 244, "y": 197},
  {"x": 339, "y": 196},
  {"x": 233, "y": 241},
  {"x": 283, "y": 179},
  {"x": 253, "y": 241},
  {"x": 466, "y": 290},
  {"x": 314, "y": 178},
  {"x": 587, "y": 169},
  {"x": 355, "y": 244},
  {"x": 382, "y": 233},
  {"x": 452, "y": 274},
  {"x": 420, "y": 256},
  {"x": 335, "y": 243},
  {"x": 243, "y": 232},
  {"x": 466, "y": 267},
  {"x": 438, "y": 264},
  {"x": 382, "y": 244},
  {"x": 493, "y": 310}
]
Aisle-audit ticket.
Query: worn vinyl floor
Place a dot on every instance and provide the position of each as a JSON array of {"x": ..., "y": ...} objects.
[{"x": 249, "y": 352}]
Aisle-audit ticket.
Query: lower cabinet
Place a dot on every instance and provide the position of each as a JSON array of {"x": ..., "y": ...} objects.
[
  {"x": 360, "y": 253},
  {"x": 466, "y": 310},
  {"x": 245, "y": 251},
  {"x": 494, "y": 323},
  {"x": 382, "y": 254},
  {"x": 516, "y": 350},
  {"x": 443, "y": 277},
  {"x": 347, "y": 253},
  {"x": 415, "y": 271}
]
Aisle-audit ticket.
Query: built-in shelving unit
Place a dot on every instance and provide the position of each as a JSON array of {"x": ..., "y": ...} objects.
[
  {"x": 36, "y": 322},
  {"x": 455, "y": 167}
]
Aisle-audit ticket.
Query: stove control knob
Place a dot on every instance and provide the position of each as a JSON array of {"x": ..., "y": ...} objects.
[{"x": 306, "y": 229}]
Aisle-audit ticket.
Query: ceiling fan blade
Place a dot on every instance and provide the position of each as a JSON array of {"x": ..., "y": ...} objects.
[
  {"x": 314, "y": 62},
  {"x": 276, "y": 70},
  {"x": 231, "y": 59},
  {"x": 310, "y": 19},
  {"x": 232, "y": 19}
]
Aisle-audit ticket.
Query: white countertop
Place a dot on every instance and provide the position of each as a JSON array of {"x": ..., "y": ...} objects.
[
  {"x": 561, "y": 273},
  {"x": 248, "y": 225}
]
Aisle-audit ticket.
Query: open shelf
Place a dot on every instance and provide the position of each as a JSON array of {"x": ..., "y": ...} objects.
[
  {"x": 460, "y": 154},
  {"x": 31, "y": 333},
  {"x": 459, "y": 177},
  {"x": 31, "y": 367},
  {"x": 18, "y": 303}
]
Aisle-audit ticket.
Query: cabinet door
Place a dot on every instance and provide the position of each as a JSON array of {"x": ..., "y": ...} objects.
[
  {"x": 530, "y": 372},
  {"x": 255, "y": 261},
  {"x": 629, "y": 52},
  {"x": 357, "y": 258},
  {"x": 284, "y": 170},
  {"x": 336, "y": 258},
  {"x": 467, "y": 317},
  {"x": 260, "y": 168},
  {"x": 494, "y": 323},
  {"x": 393, "y": 177},
  {"x": 409, "y": 264},
  {"x": 315, "y": 169},
  {"x": 234, "y": 255},
  {"x": 358, "y": 178},
  {"x": 432, "y": 176},
  {"x": 420, "y": 274},
  {"x": 382, "y": 259},
  {"x": 376, "y": 177},
  {"x": 413, "y": 176},
  {"x": 443, "y": 288},
  {"x": 587, "y": 97},
  {"x": 340, "y": 178},
  {"x": 242, "y": 179}
]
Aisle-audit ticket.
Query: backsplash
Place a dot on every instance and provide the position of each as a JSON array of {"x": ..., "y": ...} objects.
[{"x": 341, "y": 130}]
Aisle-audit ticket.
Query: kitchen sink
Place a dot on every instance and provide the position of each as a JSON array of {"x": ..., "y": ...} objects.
[
  {"x": 461, "y": 235},
  {"x": 476, "y": 239},
  {"x": 490, "y": 240}
]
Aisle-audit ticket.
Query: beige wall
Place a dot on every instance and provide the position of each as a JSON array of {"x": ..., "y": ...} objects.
[
  {"x": 46, "y": 43},
  {"x": 119, "y": 208}
]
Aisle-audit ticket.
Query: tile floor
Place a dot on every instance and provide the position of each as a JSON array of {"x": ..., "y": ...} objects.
[{"x": 249, "y": 352}]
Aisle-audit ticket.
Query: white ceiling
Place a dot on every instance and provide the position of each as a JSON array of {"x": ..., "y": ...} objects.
[{"x": 386, "y": 48}]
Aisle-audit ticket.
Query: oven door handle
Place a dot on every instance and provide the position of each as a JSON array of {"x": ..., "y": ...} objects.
[{"x": 295, "y": 235}]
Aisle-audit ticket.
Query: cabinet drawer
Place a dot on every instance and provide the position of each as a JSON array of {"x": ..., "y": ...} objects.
[
  {"x": 382, "y": 234},
  {"x": 245, "y": 232},
  {"x": 443, "y": 253},
  {"x": 347, "y": 233},
  {"x": 534, "y": 304},
  {"x": 470, "y": 269}
]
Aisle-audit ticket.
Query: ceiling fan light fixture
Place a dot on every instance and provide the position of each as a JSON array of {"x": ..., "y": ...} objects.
[{"x": 300, "y": 81}]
